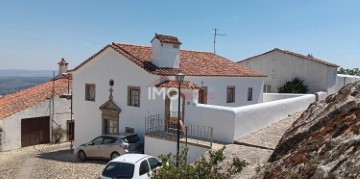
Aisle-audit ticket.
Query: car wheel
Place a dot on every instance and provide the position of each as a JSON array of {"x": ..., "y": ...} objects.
[
  {"x": 81, "y": 155},
  {"x": 114, "y": 155}
]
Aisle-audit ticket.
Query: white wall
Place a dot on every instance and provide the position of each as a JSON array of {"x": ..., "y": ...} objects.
[
  {"x": 152, "y": 148},
  {"x": 253, "y": 117},
  {"x": 280, "y": 67},
  {"x": 165, "y": 55},
  {"x": 342, "y": 80},
  {"x": 231, "y": 123},
  {"x": 111, "y": 65},
  {"x": 12, "y": 124},
  {"x": 217, "y": 89},
  {"x": 267, "y": 97}
]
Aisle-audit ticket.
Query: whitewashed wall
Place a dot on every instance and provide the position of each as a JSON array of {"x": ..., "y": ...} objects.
[
  {"x": 152, "y": 148},
  {"x": 267, "y": 97},
  {"x": 217, "y": 89},
  {"x": 231, "y": 123},
  {"x": 253, "y": 117},
  {"x": 12, "y": 124},
  {"x": 342, "y": 80},
  {"x": 111, "y": 65},
  {"x": 280, "y": 67}
]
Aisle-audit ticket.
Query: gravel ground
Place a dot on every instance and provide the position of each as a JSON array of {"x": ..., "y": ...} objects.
[{"x": 53, "y": 161}]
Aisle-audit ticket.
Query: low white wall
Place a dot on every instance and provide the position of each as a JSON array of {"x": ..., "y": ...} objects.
[
  {"x": 267, "y": 97},
  {"x": 253, "y": 117},
  {"x": 219, "y": 117},
  {"x": 342, "y": 80},
  {"x": 155, "y": 147}
]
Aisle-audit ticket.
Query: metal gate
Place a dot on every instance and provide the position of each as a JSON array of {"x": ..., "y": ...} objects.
[{"x": 35, "y": 131}]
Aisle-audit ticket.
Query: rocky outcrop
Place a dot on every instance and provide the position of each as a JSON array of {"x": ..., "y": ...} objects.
[{"x": 323, "y": 143}]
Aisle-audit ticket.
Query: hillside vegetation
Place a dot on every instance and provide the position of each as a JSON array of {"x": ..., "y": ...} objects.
[{"x": 12, "y": 84}]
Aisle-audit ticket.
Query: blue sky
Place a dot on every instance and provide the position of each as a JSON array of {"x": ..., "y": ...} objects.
[{"x": 37, "y": 34}]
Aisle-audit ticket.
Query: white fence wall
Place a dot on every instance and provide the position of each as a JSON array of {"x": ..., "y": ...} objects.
[
  {"x": 267, "y": 97},
  {"x": 231, "y": 123},
  {"x": 342, "y": 80},
  {"x": 253, "y": 117},
  {"x": 156, "y": 147}
]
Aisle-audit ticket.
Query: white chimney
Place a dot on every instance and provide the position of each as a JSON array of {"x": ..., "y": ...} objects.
[
  {"x": 63, "y": 66},
  {"x": 165, "y": 51}
]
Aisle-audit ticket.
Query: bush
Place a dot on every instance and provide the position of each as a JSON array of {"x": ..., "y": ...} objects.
[
  {"x": 58, "y": 134},
  {"x": 295, "y": 86},
  {"x": 203, "y": 168}
]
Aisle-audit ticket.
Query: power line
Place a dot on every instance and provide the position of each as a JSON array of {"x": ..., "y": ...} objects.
[{"x": 216, "y": 34}]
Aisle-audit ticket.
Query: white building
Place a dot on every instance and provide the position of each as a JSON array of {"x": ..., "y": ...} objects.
[
  {"x": 118, "y": 87},
  {"x": 27, "y": 117},
  {"x": 281, "y": 66}
]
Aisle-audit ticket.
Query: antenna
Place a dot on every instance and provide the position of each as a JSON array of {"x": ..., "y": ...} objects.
[{"x": 216, "y": 34}]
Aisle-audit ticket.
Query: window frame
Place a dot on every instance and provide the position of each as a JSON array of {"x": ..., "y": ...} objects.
[
  {"x": 130, "y": 102},
  {"x": 250, "y": 93},
  {"x": 202, "y": 99},
  {"x": 87, "y": 92},
  {"x": 230, "y": 94}
]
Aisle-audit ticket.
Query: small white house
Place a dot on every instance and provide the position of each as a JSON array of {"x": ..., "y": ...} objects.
[
  {"x": 282, "y": 65},
  {"x": 27, "y": 117},
  {"x": 122, "y": 84}
]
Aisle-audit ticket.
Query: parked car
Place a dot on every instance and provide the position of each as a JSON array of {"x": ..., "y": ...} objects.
[
  {"x": 110, "y": 146},
  {"x": 131, "y": 166}
]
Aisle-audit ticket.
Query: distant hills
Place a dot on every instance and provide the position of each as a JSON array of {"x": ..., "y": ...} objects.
[
  {"x": 26, "y": 73},
  {"x": 16, "y": 80}
]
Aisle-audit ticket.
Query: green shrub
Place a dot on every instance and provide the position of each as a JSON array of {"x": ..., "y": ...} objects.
[
  {"x": 203, "y": 168},
  {"x": 296, "y": 85}
]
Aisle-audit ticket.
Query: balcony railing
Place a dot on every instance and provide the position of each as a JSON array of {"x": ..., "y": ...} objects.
[{"x": 192, "y": 133}]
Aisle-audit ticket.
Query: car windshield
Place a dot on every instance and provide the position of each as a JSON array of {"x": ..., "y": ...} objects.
[
  {"x": 119, "y": 170},
  {"x": 131, "y": 139}
]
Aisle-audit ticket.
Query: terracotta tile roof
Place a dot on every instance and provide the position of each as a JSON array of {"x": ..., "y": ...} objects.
[
  {"x": 21, "y": 100},
  {"x": 192, "y": 63},
  {"x": 167, "y": 39},
  {"x": 296, "y": 55},
  {"x": 175, "y": 84}
]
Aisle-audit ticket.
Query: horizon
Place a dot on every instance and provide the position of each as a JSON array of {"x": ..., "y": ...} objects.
[{"x": 36, "y": 35}]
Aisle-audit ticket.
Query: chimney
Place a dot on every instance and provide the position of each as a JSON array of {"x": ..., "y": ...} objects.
[
  {"x": 63, "y": 66},
  {"x": 165, "y": 51}
]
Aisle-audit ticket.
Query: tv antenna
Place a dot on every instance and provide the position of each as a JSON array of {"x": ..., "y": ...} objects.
[{"x": 216, "y": 34}]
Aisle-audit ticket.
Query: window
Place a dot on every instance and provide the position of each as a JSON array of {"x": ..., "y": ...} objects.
[
  {"x": 154, "y": 163},
  {"x": 203, "y": 95},
  {"x": 129, "y": 130},
  {"x": 109, "y": 140},
  {"x": 134, "y": 96},
  {"x": 89, "y": 92},
  {"x": 116, "y": 169},
  {"x": 144, "y": 168},
  {"x": 267, "y": 88},
  {"x": 230, "y": 95},
  {"x": 250, "y": 94},
  {"x": 111, "y": 126},
  {"x": 98, "y": 141}
]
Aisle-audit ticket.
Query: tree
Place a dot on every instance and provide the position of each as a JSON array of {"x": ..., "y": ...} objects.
[
  {"x": 354, "y": 71},
  {"x": 204, "y": 168},
  {"x": 296, "y": 85}
]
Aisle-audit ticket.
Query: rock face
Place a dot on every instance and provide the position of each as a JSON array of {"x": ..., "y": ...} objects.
[{"x": 323, "y": 143}]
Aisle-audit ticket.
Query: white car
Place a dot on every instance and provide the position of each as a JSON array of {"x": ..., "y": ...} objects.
[{"x": 131, "y": 166}]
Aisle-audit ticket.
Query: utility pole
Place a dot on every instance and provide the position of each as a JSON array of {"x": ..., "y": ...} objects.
[{"x": 216, "y": 34}]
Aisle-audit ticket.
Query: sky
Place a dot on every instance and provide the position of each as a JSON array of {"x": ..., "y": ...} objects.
[{"x": 36, "y": 34}]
